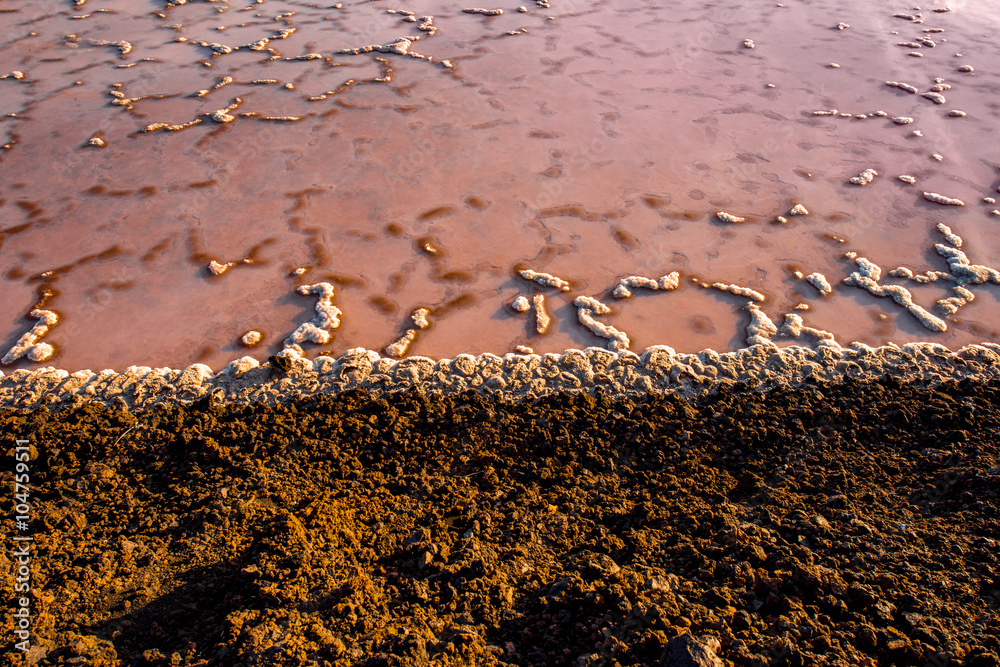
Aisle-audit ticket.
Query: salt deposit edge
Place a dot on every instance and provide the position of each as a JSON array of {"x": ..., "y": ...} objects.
[{"x": 658, "y": 370}]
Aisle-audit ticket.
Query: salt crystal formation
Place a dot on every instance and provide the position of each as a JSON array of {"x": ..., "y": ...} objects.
[
  {"x": 659, "y": 370},
  {"x": 591, "y": 303},
  {"x": 795, "y": 327},
  {"x": 545, "y": 279},
  {"x": 217, "y": 49},
  {"x": 761, "y": 328},
  {"x": 27, "y": 344},
  {"x": 623, "y": 292},
  {"x": 738, "y": 291},
  {"x": 867, "y": 278},
  {"x": 937, "y": 157},
  {"x": 587, "y": 307},
  {"x": 819, "y": 281},
  {"x": 521, "y": 304},
  {"x": 400, "y": 46},
  {"x": 906, "y": 178},
  {"x": 123, "y": 47},
  {"x": 962, "y": 271},
  {"x": 962, "y": 297},
  {"x": 949, "y": 236},
  {"x": 865, "y": 177},
  {"x": 922, "y": 278},
  {"x": 484, "y": 12},
  {"x": 671, "y": 281},
  {"x": 223, "y": 115},
  {"x": 399, "y": 347},
  {"x": 542, "y": 319},
  {"x": 798, "y": 209},
  {"x": 941, "y": 199},
  {"x": 902, "y": 120},
  {"x": 936, "y": 98},
  {"x": 902, "y": 86},
  {"x": 966, "y": 68},
  {"x": 251, "y": 338},
  {"x": 327, "y": 317},
  {"x": 842, "y": 26},
  {"x": 728, "y": 217},
  {"x": 748, "y": 44},
  {"x": 956, "y": 113},
  {"x": 419, "y": 318}
]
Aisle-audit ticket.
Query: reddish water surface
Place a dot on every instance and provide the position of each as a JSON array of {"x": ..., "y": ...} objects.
[{"x": 596, "y": 143}]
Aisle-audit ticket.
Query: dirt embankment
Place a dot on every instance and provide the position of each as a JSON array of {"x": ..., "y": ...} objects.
[{"x": 832, "y": 524}]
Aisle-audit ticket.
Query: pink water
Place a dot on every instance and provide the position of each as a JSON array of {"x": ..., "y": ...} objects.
[{"x": 596, "y": 145}]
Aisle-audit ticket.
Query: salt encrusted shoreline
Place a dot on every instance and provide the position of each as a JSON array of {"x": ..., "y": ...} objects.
[{"x": 657, "y": 370}]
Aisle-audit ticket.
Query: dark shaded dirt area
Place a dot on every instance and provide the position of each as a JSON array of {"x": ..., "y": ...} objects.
[{"x": 838, "y": 524}]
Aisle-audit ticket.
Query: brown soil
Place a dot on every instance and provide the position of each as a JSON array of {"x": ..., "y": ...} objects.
[{"x": 842, "y": 524}]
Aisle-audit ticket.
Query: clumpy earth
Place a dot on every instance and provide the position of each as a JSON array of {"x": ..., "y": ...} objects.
[{"x": 830, "y": 524}]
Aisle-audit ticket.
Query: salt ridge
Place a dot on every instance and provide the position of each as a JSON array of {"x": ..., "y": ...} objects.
[{"x": 658, "y": 370}]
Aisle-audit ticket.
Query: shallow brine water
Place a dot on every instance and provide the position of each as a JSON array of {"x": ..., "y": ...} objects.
[{"x": 172, "y": 174}]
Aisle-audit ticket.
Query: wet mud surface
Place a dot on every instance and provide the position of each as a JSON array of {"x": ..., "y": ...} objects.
[
  {"x": 837, "y": 523},
  {"x": 171, "y": 173}
]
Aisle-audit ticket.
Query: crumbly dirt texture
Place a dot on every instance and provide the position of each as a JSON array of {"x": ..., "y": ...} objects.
[{"x": 833, "y": 523}]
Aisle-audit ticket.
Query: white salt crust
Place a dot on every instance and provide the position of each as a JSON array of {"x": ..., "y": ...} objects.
[
  {"x": 738, "y": 290},
  {"x": 542, "y": 319},
  {"x": 941, "y": 199},
  {"x": 251, "y": 338},
  {"x": 327, "y": 317},
  {"x": 419, "y": 318},
  {"x": 819, "y": 281},
  {"x": 587, "y": 307},
  {"x": 865, "y": 177},
  {"x": 658, "y": 370},
  {"x": 399, "y": 347},
  {"x": 671, "y": 281},
  {"x": 729, "y": 217},
  {"x": 794, "y": 327},
  {"x": 545, "y": 279},
  {"x": 867, "y": 277},
  {"x": 521, "y": 304},
  {"x": 27, "y": 345},
  {"x": 761, "y": 329}
]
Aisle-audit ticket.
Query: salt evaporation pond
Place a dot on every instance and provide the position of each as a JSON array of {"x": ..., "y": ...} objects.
[{"x": 172, "y": 174}]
